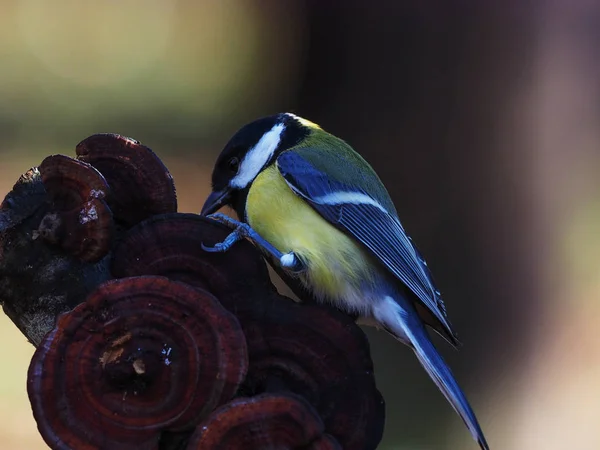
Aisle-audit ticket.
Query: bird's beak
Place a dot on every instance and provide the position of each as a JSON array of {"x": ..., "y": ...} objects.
[{"x": 215, "y": 201}]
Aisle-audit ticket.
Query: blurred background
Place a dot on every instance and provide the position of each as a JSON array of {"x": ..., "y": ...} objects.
[{"x": 482, "y": 118}]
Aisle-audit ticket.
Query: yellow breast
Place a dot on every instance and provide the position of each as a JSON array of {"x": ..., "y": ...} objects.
[{"x": 336, "y": 265}]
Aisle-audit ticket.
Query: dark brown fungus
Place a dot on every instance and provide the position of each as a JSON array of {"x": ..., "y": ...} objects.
[
  {"x": 266, "y": 422},
  {"x": 141, "y": 185},
  {"x": 85, "y": 232},
  {"x": 70, "y": 182},
  {"x": 322, "y": 355},
  {"x": 171, "y": 245},
  {"x": 141, "y": 355},
  {"x": 325, "y": 442},
  {"x": 79, "y": 220}
]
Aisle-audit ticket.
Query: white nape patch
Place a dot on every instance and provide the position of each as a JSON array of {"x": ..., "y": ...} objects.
[
  {"x": 355, "y": 198},
  {"x": 303, "y": 121},
  {"x": 258, "y": 156}
]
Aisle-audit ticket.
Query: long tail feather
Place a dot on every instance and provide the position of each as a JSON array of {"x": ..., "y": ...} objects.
[
  {"x": 407, "y": 327},
  {"x": 442, "y": 376}
]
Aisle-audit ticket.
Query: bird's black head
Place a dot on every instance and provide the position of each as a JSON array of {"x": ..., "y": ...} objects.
[{"x": 254, "y": 147}]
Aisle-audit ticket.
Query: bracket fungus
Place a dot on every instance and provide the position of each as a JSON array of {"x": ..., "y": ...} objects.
[
  {"x": 268, "y": 422},
  {"x": 85, "y": 232},
  {"x": 171, "y": 245},
  {"x": 141, "y": 184},
  {"x": 80, "y": 221},
  {"x": 70, "y": 182},
  {"x": 320, "y": 354},
  {"x": 57, "y": 227},
  {"x": 139, "y": 356},
  {"x": 144, "y": 340}
]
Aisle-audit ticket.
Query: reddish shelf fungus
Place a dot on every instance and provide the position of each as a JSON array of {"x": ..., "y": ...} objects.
[
  {"x": 320, "y": 354},
  {"x": 56, "y": 227},
  {"x": 325, "y": 442},
  {"x": 268, "y": 422},
  {"x": 86, "y": 232},
  {"x": 141, "y": 185},
  {"x": 171, "y": 245},
  {"x": 70, "y": 182},
  {"x": 141, "y": 355},
  {"x": 80, "y": 221}
]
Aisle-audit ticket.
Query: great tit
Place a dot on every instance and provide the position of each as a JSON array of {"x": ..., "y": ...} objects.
[{"x": 320, "y": 214}]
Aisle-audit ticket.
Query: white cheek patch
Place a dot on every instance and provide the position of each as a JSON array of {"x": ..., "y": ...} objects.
[
  {"x": 355, "y": 198},
  {"x": 258, "y": 156}
]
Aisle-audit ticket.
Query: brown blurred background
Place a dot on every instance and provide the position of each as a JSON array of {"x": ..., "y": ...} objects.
[{"x": 483, "y": 119}]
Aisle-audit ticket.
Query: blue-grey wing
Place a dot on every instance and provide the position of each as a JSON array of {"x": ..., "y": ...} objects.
[{"x": 363, "y": 217}]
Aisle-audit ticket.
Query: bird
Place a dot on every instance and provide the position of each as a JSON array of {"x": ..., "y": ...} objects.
[{"x": 320, "y": 214}]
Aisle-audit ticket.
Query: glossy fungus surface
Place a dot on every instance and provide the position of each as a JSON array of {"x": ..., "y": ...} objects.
[
  {"x": 79, "y": 219},
  {"x": 322, "y": 355},
  {"x": 141, "y": 185},
  {"x": 85, "y": 232},
  {"x": 70, "y": 182},
  {"x": 141, "y": 355},
  {"x": 267, "y": 422},
  {"x": 171, "y": 245}
]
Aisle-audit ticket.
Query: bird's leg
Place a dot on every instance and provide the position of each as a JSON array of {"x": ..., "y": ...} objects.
[{"x": 288, "y": 261}]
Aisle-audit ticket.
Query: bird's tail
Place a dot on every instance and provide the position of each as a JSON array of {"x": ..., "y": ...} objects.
[{"x": 409, "y": 329}]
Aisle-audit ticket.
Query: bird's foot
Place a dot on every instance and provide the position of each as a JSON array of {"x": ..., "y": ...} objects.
[
  {"x": 240, "y": 231},
  {"x": 226, "y": 220},
  {"x": 288, "y": 261}
]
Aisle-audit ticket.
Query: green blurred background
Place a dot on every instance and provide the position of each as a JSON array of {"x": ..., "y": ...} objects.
[{"x": 482, "y": 118}]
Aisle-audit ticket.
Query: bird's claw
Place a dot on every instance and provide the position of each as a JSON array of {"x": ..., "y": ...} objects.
[
  {"x": 225, "y": 220},
  {"x": 240, "y": 231},
  {"x": 225, "y": 245}
]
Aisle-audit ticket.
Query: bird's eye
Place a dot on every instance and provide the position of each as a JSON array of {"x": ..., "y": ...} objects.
[{"x": 233, "y": 164}]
